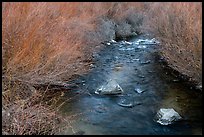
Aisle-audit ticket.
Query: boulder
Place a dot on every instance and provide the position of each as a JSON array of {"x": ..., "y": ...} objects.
[
  {"x": 111, "y": 87},
  {"x": 167, "y": 116}
]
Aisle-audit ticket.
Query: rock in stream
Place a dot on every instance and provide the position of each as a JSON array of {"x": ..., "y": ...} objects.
[
  {"x": 128, "y": 104},
  {"x": 111, "y": 88},
  {"x": 167, "y": 116}
]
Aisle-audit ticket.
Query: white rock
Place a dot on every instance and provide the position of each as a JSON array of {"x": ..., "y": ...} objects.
[
  {"x": 167, "y": 116},
  {"x": 113, "y": 41},
  {"x": 108, "y": 43},
  {"x": 111, "y": 87},
  {"x": 136, "y": 59},
  {"x": 129, "y": 43},
  {"x": 139, "y": 90},
  {"x": 134, "y": 34}
]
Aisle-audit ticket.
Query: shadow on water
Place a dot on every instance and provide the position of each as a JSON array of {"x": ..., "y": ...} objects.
[{"x": 134, "y": 66}]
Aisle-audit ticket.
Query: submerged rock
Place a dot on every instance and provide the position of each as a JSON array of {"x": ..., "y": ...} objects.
[
  {"x": 145, "y": 62},
  {"x": 167, "y": 116},
  {"x": 138, "y": 90},
  {"x": 117, "y": 68},
  {"x": 136, "y": 59},
  {"x": 141, "y": 76},
  {"x": 108, "y": 44},
  {"x": 111, "y": 87},
  {"x": 129, "y": 43},
  {"x": 101, "y": 109},
  {"x": 128, "y": 104},
  {"x": 113, "y": 41}
]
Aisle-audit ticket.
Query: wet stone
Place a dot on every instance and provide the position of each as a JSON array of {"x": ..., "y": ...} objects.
[
  {"x": 129, "y": 43},
  {"x": 119, "y": 65},
  {"x": 100, "y": 109},
  {"x": 110, "y": 88},
  {"x": 145, "y": 62},
  {"x": 108, "y": 44},
  {"x": 128, "y": 104},
  {"x": 136, "y": 59},
  {"x": 117, "y": 68},
  {"x": 141, "y": 76},
  {"x": 83, "y": 81},
  {"x": 139, "y": 90},
  {"x": 113, "y": 41},
  {"x": 167, "y": 116}
]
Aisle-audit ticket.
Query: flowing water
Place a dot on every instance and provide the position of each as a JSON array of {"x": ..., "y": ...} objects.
[{"x": 136, "y": 68}]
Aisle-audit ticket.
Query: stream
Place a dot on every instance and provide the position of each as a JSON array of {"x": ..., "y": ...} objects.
[{"x": 136, "y": 68}]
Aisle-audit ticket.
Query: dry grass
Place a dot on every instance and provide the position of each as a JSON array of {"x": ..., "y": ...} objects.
[
  {"x": 27, "y": 116},
  {"x": 35, "y": 120},
  {"x": 38, "y": 46},
  {"x": 179, "y": 28},
  {"x": 48, "y": 43},
  {"x": 33, "y": 114}
]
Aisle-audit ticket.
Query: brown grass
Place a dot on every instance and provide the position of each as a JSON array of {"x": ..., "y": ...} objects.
[
  {"x": 37, "y": 43},
  {"x": 48, "y": 43},
  {"x": 26, "y": 116},
  {"x": 35, "y": 120},
  {"x": 179, "y": 27},
  {"x": 36, "y": 113}
]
